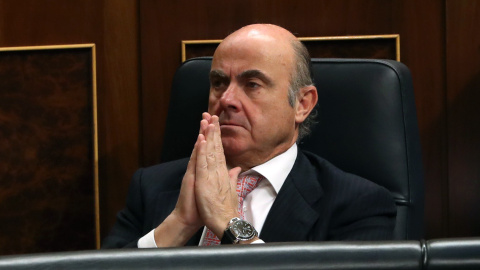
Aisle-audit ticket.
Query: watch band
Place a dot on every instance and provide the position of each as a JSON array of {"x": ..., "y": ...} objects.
[
  {"x": 234, "y": 231},
  {"x": 228, "y": 237}
]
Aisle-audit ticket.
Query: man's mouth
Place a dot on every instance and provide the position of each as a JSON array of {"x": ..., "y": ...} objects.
[
  {"x": 228, "y": 124},
  {"x": 231, "y": 124}
]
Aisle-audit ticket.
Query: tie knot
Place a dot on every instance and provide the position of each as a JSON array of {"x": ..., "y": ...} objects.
[{"x": 247, "y": 183}]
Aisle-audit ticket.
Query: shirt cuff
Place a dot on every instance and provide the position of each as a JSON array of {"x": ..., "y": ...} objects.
[
  {"x": 147, "y": 241},
  {"x": 259, "y": 241}
]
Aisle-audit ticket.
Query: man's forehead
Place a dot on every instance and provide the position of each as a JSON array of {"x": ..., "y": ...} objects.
[
  {"x": 270, "y": 41},
  {"x": 251, "y": 73},
  {"x": 254, "y": 56},
  {"x": 236, "y": 65},
  {"x": 242, "y": 54}
]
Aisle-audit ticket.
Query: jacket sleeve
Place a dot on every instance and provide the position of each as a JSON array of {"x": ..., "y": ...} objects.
[{"x": 128, "y": 227}]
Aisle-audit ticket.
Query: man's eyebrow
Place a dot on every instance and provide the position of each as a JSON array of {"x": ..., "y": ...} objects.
[
  {"x": 217, "y": 74},
  {"x": 255, "y": 73}
]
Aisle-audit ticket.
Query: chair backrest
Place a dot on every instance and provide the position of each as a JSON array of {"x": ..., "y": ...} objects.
[{"x": 367, "y": 126}]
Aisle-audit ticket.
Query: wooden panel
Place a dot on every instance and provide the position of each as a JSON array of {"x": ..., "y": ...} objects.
[
  {"x": 420, "y": 24},
  {"x": 120, "y": 122},
  {"x": 463, "y": 84},
  {"x": 113, "y": 26},
  {"x": 379, "y": 47},
  {"x": 48, "y": 169},
  {"x": 373, "y": 47}
]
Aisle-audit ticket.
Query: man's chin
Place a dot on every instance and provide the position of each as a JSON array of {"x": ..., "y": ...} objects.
[{"x": 232, "y": 146}]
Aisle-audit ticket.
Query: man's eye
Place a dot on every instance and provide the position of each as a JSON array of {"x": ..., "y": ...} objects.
[
  {"x": 217, "y": 84},
  {"x": 252, "y": 85}
]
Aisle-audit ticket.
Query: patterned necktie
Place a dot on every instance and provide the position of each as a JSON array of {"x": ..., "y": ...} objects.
[{"x": 245, "y": 185}]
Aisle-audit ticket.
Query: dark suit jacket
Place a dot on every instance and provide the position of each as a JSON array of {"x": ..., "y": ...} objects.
[{"x": 317, "y": 202}]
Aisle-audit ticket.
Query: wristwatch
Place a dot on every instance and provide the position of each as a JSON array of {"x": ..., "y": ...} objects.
[{"x": 238, "y": 230}]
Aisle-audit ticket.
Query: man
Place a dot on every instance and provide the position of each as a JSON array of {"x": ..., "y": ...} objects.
[{"x": 261, "y": 99}]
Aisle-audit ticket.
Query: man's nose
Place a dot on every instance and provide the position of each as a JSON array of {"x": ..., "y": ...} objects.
[{"x": 230, "y": 98}]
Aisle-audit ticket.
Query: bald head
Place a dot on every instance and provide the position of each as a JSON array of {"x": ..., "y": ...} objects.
[
  {"x": 263, "y": 31},
  {"x": 265, "y": 40}
]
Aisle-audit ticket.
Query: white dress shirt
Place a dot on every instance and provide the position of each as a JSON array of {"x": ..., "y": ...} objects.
[{"x": 257, "y": 203}]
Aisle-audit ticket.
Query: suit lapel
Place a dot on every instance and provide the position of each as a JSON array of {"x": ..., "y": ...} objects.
[{"x": 292, "y": 216}]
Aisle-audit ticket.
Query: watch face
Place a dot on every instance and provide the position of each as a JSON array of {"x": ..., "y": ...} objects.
[{"x": 243, "y": 229}]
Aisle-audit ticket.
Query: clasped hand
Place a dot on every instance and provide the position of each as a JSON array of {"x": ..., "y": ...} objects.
[{"x": 208, "y": 193}]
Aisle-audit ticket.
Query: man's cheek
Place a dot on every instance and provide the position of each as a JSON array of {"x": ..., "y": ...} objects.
[{"x": 213, "y": 108}]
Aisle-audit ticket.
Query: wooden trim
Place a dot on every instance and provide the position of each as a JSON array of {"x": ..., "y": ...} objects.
[
  {"x": 303, "y": 39},
  {"x": 49, "y": 47},
  {"x": 95, "y": 147}
]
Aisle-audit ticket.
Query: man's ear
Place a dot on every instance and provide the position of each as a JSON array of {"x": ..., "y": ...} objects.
[{"x": 306, "y": 100}]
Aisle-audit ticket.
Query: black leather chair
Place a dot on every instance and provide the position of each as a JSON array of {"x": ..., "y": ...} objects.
[{"x": 367, "y": 125}]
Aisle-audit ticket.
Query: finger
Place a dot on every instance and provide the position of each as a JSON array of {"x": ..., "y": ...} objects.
[
  {"x": 211, "y": 155},
  {"x": 193, "y": 158},
  {"x": 233, "y": 174},
  {"x": 217, "y": 139},
  {"x": 207, "y": 117},
  {"x": 217, "y": 133},
  {"x": 201, "y": 160},
  {"x": 203, "y": 126}
]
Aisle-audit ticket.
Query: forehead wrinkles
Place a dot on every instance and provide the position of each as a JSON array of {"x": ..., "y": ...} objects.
[{"x": 254, "y": 52}]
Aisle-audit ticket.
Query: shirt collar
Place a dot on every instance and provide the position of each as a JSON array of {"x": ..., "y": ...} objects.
[{"x": 277, "y": 169}]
